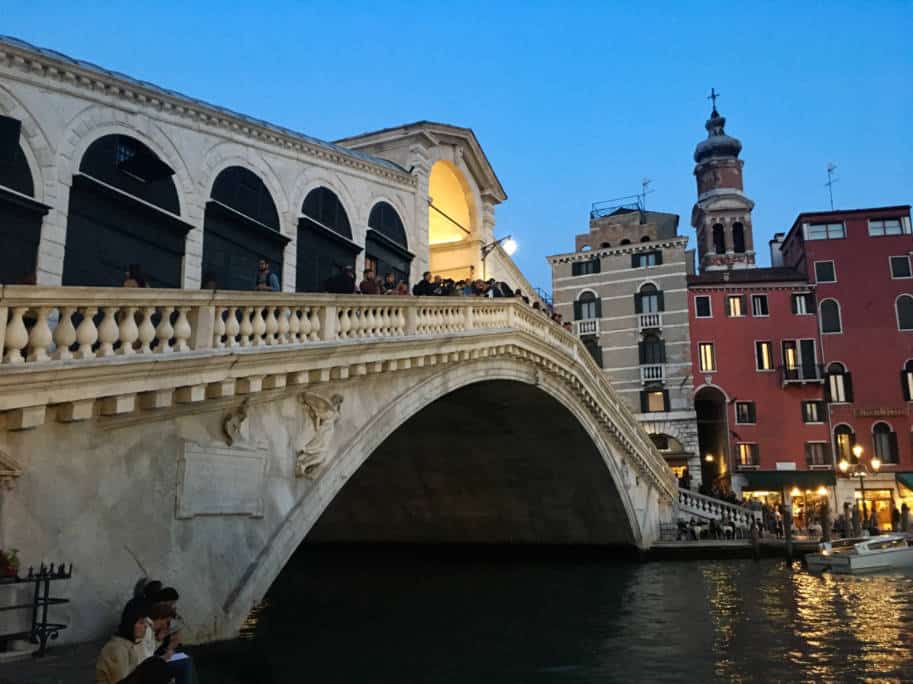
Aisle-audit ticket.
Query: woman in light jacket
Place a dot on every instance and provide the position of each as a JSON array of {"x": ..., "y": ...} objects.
[{"x": 123, "y": 653}]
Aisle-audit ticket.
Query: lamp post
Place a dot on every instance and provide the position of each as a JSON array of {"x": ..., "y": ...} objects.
[
  {"x": 508, "y": 244},
  {"x": 860, "y": 470}
]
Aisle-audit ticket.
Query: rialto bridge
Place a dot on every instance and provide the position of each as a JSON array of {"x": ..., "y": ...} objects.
[{"x": 202, "y": 436}]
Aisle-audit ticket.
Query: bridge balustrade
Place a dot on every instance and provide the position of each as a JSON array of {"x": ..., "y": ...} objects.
[{"x": 691, "y": 504}]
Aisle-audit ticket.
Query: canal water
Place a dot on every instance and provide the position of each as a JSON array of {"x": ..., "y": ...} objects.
[{"x": 429, "y": 616}]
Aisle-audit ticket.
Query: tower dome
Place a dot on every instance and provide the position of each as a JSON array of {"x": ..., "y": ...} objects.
[{"x": 717, "y": 144}]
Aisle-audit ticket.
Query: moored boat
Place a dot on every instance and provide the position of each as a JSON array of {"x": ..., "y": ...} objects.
[{"x": 870, "y": 554}]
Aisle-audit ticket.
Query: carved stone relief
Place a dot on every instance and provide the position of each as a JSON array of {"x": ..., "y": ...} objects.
[{"x": 311, "y": 454}]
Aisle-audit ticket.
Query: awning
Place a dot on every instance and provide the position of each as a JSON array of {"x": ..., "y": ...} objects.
[
  {"x": 906, "y": 479},
  {"x": 776, "y": 480}
]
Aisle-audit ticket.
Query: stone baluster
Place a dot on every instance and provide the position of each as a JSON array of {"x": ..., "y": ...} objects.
[
  {"x": 284, "y": 325},
  {"x": 232, "y": 327},
  {"x": 146, "y": 330},
  {"x": 182, "y": 330},
  {"x": 127, "y": 332},
  {"x": 218, "y": 328},
  {"x": 17, "y": 337},
  {"x": 345, "y": 323},
  {"x": 165, "y": 330},
  {"x": 371, "y": 323},
  {"x": 272, "y": 326},
  {"x": 316, "y": 319},
  {"x": 301, "y": 319},
  {"x": 65, "y": 334},
  {"x": 247, "y": 328},
  {"x": 86, "y": 333},
  {"x": 401, "y": 324},
  {"x": 259, "y": 327},
  {"x": 40, "y": 336},
  {"x": 107, "y": 331}
]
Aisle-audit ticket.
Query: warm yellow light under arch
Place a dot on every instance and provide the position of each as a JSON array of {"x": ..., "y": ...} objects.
[{"x": 448, "y": 194}]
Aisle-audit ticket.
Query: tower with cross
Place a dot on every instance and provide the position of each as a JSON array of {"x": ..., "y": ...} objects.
[{"x": 722, "y": 214}]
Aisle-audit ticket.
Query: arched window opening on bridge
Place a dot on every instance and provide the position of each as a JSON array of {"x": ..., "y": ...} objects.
[
  {"x": 738, "y": 238},
  {"x": 240, "y": 228},
  {"x": 844, "y": 441},
  {"x": 124, "y": 210},
  {"x": 719, "y": 240},
  {"x": 385, "y": 246},
  {"x": 324, "y": 240},
  {"x": 712, "y": 433},
  {"x": 884, "y": 442},
  {"x": 450, "y": 223},
  {"x": 20, "y": 214}
]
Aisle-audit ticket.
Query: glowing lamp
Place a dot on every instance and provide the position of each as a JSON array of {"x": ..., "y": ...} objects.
[
  {"x": 875, "y": 463},
  {"x": 708, "y": 458},
  {"x": 795, "y": 492},
  {"x": 509, "y": 246},
  {"x": 857, "y": 451},
  {"x": 844, "y": 465},
  {"x": 822, "y": 491}
]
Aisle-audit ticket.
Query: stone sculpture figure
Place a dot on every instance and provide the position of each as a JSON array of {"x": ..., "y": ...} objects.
[
  {"x": 234, "y": 423},
  {"x": 323, "y": 414}
]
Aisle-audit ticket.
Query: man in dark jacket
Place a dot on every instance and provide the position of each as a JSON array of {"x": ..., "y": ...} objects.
[
  {"x": 343, "y": 282},
  {"x": 424, "y": 287}
]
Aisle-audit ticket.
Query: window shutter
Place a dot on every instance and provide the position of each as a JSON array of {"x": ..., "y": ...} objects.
[
  {"x": 809, "y": 302},
  {"x": 598, "y": 307},
  {"x": 660, "y": 302},
  {"x": 598, "y": 355},
  {"x": 659, "y": 257},
  {"x": 666, "y": 400},
  {"x": 904, "y": 386},
  {"x": 643, "y": 401},
  {"x": 892, "y": 448},
  {"x": 752, "y": 413},
  {"x": 642, "y": 352},
  {"x": 638, "y": 303},
  {"x": 577, "y": 313},
  {"x": 575, "y": 268},
  {"x": 794, "y": 302},
  {"x": 662, "y": 351},
  {"x": 635, "y": 261},
  {"x": 828, "y": 396},
  {"x": 597, "y": 264},
  {"x": 848, "y": 386}
]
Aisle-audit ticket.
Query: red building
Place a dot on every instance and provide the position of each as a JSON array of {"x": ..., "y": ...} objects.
[{"x": 796, "y": 363}]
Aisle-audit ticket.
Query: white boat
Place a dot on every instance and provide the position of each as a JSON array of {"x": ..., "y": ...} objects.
[{"x": 850, "y": 556}]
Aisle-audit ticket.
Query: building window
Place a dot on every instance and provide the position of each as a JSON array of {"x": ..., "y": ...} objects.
[
  {"x": 804, "y": 304},
  {"x": 738, "y": 238},
  {"x": 661, "y": 442},
  {"x": 592, "y": 346},
  {"x": 708, "y": 359},
  {"x": 702, "y": 307},
  {"x": 816, "y": 454},
  {"x": 885, "y": 442},
  {"x": 799, "y": 360},
  {"x": 825, "y": 231},
  {"x": 882, "y": 227},
  {"x": 825, "y": 272},
  {"x": 745, "y": 413},
  {"x": 747, "y": 454},
  {"x": 900, "y": 267},
  {"x": 587, "y": 307},
  {"x": 759, "y": 305},
  {"x": 648, "y": 300},
  {"x": 844, "y": 439},
  {"x": 735, "y": 306},
  {"x": 812, "y": 411},
  {"x": 906, "y": 381},
  {"x": 830, "y": 317},
  {"x": 904, "y": 306},
  {"x": 654, "y": 400},
  {"x": 719, "y": 242},
  {"x": 588, "y": 267},
  {"x": 763, "y": 356},
  {"x": 839, "y": 384},
  {"x": 646, "y": 259},
  {"x": 652, "y": 350}
]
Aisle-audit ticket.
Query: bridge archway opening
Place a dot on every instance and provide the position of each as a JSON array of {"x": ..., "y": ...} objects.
[
  {"x": 496, "y": 462},
  {"x": 712, "y": 433},
  {"x": 325, "y": 245},
  {"x": 452, "y": 240}
]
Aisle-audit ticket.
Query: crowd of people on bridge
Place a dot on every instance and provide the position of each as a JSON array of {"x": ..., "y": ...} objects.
[{"x": 144, "y": 647}]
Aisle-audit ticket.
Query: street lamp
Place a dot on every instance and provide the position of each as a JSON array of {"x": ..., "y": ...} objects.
[
  {"x": 508, "y": 244},
  {"x": 859, "y": 469}
]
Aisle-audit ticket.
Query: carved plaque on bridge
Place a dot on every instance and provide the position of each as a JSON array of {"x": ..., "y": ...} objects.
[{"x": 220, "y": 480}]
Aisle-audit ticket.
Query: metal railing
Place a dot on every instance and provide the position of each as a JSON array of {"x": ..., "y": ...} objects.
[{"x": 801, "y": 374}]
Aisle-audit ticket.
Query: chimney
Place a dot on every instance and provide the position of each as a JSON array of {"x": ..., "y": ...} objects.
[{"x": 776, "y": 255}]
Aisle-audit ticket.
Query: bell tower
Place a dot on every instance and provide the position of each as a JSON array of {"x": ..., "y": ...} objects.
[{"x": 722, "y": 214}]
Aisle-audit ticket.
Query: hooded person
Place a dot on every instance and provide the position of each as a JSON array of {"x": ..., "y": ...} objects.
[{"x": 123, "y": 653}]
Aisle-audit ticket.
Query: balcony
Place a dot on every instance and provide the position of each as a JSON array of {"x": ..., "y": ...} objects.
[
  {"x": 801, "y": 374},
  {"x": 653, "y": 373},
  {"x": 649, "y": 321},
  {"x": 589, "y": 326}
]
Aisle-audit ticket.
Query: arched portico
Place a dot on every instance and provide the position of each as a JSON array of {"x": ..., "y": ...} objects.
[{"x": 453, "y": 232}]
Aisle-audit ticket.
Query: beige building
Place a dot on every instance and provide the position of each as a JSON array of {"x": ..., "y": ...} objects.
[{"x": 625, "y": 288}]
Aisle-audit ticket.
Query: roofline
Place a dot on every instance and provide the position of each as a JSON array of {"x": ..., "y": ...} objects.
[
  {"x": 462, "y": 131},
  {"x": 839, "y": 212},
  {"x": 620, "y": 249},
  {"x": 52, "y": 64}
]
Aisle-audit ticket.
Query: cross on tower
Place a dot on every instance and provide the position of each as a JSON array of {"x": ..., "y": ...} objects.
[{"x": 713, "y": 95}]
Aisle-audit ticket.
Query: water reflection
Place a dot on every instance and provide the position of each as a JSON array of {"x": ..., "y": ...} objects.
[{"x": 363, "y": 616}]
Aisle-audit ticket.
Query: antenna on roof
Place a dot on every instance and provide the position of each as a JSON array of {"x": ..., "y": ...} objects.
[
  {"x": 644, "y": 184},
  {"x": 831, "y": 167}
]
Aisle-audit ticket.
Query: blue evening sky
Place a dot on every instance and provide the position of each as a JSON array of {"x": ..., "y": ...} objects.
[{"x": 572, "y": 102}]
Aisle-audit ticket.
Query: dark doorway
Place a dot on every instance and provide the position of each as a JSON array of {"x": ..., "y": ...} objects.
[
  {"x": 712, "y": 433},
  {"x": 241, "y": 226},
  {"x": 324, "y": 240},
  {"x": 20, "y": 214},
  {"x": 385, "y": 245},
  {"x": 123, "y": 210}
]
